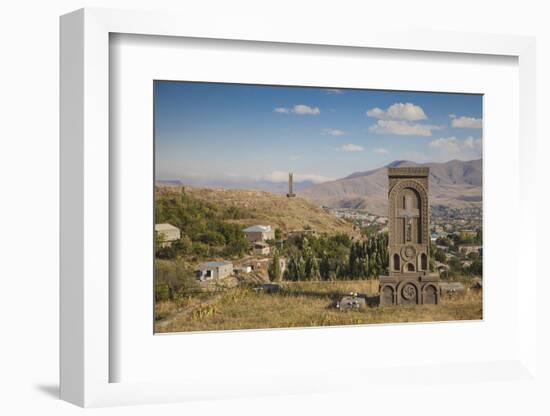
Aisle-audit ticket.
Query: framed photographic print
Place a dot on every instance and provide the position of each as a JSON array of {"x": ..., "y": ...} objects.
[
  {"x": 280, "y": 206},
  {"x": 260, "y": 205}
]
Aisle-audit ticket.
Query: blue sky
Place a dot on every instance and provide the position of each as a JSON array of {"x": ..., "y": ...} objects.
[{"x": 221, "y": 132}]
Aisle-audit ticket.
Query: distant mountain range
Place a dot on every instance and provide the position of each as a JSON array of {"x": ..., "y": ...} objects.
[{"x": 454, "y": 184}]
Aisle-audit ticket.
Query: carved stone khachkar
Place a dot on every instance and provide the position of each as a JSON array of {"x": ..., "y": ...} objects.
[{"x": 409, "y": 280}]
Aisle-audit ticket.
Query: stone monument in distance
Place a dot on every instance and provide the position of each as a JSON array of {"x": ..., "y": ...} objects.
[{"x": 409, "y": 280}]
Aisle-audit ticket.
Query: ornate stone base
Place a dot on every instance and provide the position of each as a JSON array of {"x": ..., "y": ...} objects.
[{"x": 409, "y": 289}]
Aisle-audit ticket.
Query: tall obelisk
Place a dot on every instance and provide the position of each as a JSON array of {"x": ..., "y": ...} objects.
[{"x": 290, "y": 194}]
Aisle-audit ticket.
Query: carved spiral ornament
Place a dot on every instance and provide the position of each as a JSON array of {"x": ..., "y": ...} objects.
[
  {"x": 408, "y": 252},
  {"x": 409, "y": 291}
]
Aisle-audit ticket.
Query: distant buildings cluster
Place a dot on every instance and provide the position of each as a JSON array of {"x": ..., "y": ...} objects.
[
  {"x": 258, "y": 236},
  {"x": 360, "y": 218}
]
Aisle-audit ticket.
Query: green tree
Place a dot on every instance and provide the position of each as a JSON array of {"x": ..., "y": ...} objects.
[
  {"x": 476, "y": 268},
  {"x": 312, "y": 267},
  {"x": 274, "y": 269},
  {"x": 296, "y": 269},
  {"x": 324, "y": 267},
  {"x": 479, "y": 236},
  {"x": 440, "y": 256},
  {"x": 173, "y": 278}
]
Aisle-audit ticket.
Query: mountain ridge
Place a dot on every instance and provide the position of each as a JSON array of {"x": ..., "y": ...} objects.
[{"x": 454, "y": 184}]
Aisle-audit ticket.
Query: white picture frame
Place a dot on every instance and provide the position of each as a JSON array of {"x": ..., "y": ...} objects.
[{"x": 86, "y": 353}]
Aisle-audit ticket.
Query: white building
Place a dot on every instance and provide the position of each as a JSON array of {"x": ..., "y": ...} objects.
[
  {"x": 261, "y": 248},
  {"x": 469, "y": 248},
  {"x": 168, "y": 232},
  {"x": 259, "y": 233},
  {"x": 214, "y": 270}
]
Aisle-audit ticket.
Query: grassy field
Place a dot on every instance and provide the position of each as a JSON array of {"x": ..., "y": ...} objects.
[{"x": 302, "y": 304}]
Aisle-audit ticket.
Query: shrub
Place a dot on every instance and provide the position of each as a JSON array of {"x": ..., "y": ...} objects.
[{"x": 172, "y": 278}]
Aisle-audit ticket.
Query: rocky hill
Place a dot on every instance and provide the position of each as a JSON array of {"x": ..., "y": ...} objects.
[{"x": 455, "y": 184}]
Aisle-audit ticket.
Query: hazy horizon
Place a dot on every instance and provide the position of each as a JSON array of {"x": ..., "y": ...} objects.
[{"x": 280, "y": 186}]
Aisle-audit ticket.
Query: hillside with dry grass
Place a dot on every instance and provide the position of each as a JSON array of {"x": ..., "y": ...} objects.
[
  {"x": 260, "y": 207},
  {"x": 305, "y": 304}
]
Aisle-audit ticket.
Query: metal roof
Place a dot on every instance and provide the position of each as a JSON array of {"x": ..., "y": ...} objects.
[
  {"x": 165, "y": 227},
  {"x": 258, "y": 229},
  {"x": 210, "y": 264}
]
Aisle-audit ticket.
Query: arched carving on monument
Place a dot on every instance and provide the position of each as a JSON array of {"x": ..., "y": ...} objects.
[
  {"x": 409, "y": 267},
  {"x": 423, "y": 208},
  {"x": 396, "y": 262},
  {"x": 423, "y": 261},
  {"x": 430, "y": 294},
  {"x": 387, "y": 295}
]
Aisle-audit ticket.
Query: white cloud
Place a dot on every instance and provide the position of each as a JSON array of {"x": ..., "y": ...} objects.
[
  {"x": 452, "y": 115},
  {"x": 470, "y": 143},
  {"x": 376, "y": 113},
  {"x": 282, "y": 110},
  {"x": 450, "y": 144},
  {"x": 305, "y": 109},
  {"x": 466, "y": 122},
  {"x": 334, "y": 91},
  {"x": 402, "y": 128},
  {"x": 380, "y": 150},
  {"x": 301, "y": 109},
  {"x": 399, "y": 111},
  {"x": 453, "y": 148},
  {"x": 333, "y": 132},
  {"x": 350, "y": 147},
  {"x": 279, "y": 176},
  {"x": 400, "y": 118}
]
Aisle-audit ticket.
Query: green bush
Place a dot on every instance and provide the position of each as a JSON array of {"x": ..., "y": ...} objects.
[{"x": 173, "y": 278}]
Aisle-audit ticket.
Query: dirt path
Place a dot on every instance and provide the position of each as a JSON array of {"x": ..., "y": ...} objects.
[{"x": 188, "y": 310}]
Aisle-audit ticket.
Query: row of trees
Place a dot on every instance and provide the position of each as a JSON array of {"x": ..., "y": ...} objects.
[{"x": 331, "y": 258}]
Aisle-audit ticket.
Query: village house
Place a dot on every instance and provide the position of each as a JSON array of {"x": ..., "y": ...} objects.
[
  {"x": 469, "y": 248},
  {"x": 261, "y": 266},
  {"x": 259, "y": 233},
  {"x": 434, "y": 236},
  {"x": 442, "y": 268},
  {"x": 469, "y": 233},
  {"x": 261, "y": 248},
  {"x": 466, "y": 263},
  {"x": 168, "y": 233},
  {"x": 243, "y": 269},
  {"x": 214, "y": 270}
]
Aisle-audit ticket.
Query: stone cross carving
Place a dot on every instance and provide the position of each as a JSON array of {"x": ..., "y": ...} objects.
[{"x": 408, "y": 213}]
